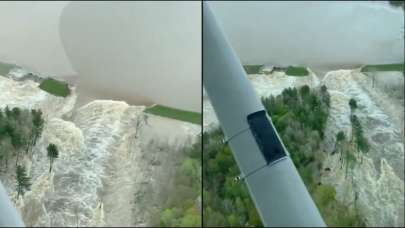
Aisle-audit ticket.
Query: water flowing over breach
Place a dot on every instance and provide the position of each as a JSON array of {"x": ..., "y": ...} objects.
[
  {"x": 317, "y": 34},
  {"x": 109, "y": 152},
  {"x": 140, "y": 52}
]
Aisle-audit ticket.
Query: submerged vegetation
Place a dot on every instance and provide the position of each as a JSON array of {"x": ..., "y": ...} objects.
[
  {"x": 160, "y": 110},
  {"x": 296, "y": 71},
  {"x": 299, "y": 116},
  {"x": 183, "y": 204},
  {"x": 55, "y": 87}
]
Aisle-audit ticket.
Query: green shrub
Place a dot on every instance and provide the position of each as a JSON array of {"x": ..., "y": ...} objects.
[
  {"x": 55, "y": 87},
  {"x": 297, "y": 71}
]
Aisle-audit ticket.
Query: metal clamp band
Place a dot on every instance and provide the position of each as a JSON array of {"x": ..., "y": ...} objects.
[{"x": 226, "y": 140}]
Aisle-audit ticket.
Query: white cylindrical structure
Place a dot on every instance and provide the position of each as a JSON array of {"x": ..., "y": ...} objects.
[
  {"x": 273, "y": 181},
  {"x": 9, "y": 217}
]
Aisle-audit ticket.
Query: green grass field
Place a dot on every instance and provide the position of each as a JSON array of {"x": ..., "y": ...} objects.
[
  {"x": 160, "y": 110},
  {"x": 55, "y": 87},
  {"x": 5, "y": 68},
  {"x": 252, "y": 69},
  {"x": 383, "y": 67},
  {"x": 297, "y": 71}
]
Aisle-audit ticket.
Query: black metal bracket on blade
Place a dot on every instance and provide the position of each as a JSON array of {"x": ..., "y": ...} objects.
[
  {"x": 266, "y": 137},
  {"x": 267, "y": 140}
]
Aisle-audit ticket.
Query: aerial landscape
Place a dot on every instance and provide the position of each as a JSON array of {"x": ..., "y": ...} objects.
[
  {"x": 125, "y": 156},
  {"x": 342, "y": 122},
  {"x": 202, "y": 114}
]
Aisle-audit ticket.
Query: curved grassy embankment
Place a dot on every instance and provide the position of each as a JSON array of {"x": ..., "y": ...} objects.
[
  {"x": 52, "y": 86},
  {"x": 173, "y": 113},
  {"x": 383, "y": 67},
  {"x": 55, "y": 87}
]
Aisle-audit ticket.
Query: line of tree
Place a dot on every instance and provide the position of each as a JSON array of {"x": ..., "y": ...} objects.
[{"x": 358, "y": 137}]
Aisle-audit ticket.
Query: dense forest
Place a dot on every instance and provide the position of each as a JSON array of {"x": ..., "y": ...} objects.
[
  {"x": 226, "y": 202},
  {"x": 299, "y": 116},
  {"x": 183, "y": 204}
]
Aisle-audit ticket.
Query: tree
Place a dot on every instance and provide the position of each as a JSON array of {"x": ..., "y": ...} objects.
[
  {"x": 16, "y": 112},
  {"x": 340, "y": 137},
  {"x": 363, "y": 146},
  {"x": 38, "y": 122},
  {"x": 6, "y": 149},
  {"x": 352, "y": 104},
  {"x": 324, "y": 89},
  {"x": 52, "y": 154},
  {"x": 350, "y": 162},
  {"x": 38, "y": 125},
  {"x": 304, "y": 91},
  {"x": 17, "y": 141},
  {"x": 8, "y": 112},
  {"x": 355, "y": 125},
  {"x": 325, "y": 95},
  {"x": 23, "y": 181}
]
